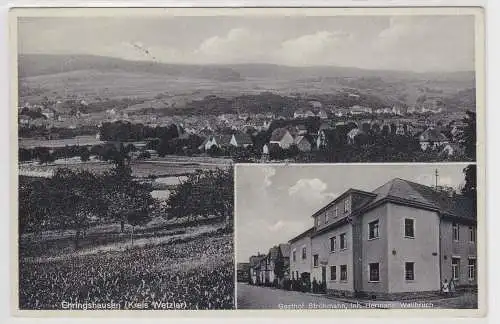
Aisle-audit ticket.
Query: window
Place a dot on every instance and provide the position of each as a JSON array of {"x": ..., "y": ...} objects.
[
  {"x": 294, "y": 255},
  {"x": 472, "y": 234},
  {"x": 326, "y": 217},
  {"x": 333, "y": 272},
  {"x": 315, "y": 260},
  {"x": 374, "y": 272},
  {"x": 343, "y": 242},
  {"x": 343, "y": 272},
  {"x": 455, "y": 268},
  {"x": 316, "y": 221},
  {"x": 333, "y": 243},
  {"x": 472, "y": 269},
  {"x": 373, "y": 230},
  {"x": 336, "y": 210},
  {"x": 409, "y": 227},
  {"x": 456, "y": 232},
  {"x": 304, "y": 253},
  {"x": 409, "y": 271},
  {"x": 347, "y": 205}
]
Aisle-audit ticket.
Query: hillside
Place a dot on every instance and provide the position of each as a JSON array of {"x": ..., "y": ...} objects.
[
  {"x": 41, "y": 64},
  {"x": 96, "y": 78}
]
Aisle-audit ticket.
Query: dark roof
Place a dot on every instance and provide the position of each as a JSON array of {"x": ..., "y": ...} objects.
[
  {"x": 222, "y": 139},
  {"x": 243, "y": 266},
  {"x": 308, "y": 232},
  {"x": 414, "y": 194},
  {"x": 299, "y": 139},
  {"x": 243, "y": 138},
  {"x": 273, "y": 253},
  {"x": 432, "y": 135},
  {"x": 278, "y": 134},
  {"x": 255, "y": 259},
  {"x": 324, "y": 126}
]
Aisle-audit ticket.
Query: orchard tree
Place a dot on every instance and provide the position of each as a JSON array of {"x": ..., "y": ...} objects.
[{"x": 204, "y": 193}]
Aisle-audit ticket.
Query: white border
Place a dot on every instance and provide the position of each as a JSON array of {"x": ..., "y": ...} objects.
[{"x": 493, "y": 53}]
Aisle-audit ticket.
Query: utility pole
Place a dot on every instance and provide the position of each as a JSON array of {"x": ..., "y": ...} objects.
[{"x": 436, "y": 173}]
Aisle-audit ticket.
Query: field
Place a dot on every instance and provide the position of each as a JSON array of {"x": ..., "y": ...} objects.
[
  {"x": 197, "y": 273},
  {"x": 168, "y": 166}
]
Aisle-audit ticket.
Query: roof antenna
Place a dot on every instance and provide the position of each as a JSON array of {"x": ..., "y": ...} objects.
[{"x": 436, "y": 173}]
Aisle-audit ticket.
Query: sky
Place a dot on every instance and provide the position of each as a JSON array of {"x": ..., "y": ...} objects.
[
  {"x": 412, "y": 43},
  {"x": 274, "y": 203}
]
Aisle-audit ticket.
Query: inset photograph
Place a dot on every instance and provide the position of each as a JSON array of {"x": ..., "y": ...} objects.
[{"x": 356, "y": 236}]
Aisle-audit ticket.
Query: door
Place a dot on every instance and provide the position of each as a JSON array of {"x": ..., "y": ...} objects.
[{"x": 323, "y": 279}]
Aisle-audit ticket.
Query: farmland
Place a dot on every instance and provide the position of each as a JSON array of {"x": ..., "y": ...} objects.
[{"x": 168, "y": 166}]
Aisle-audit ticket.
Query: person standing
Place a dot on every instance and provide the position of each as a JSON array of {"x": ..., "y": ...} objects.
[{"x": 445, "y": 287}]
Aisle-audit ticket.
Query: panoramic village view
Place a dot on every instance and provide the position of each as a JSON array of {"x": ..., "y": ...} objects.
[{"x": 128, "y": 138}]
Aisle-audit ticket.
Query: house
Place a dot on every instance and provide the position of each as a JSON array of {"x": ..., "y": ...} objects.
[
  {"x": 300, "y": 256},
  {"x": 48, "y": 113},
  {"x": 281, "y": 137},
  {"x": 284, "y": 254},
  {"x": 322, "y": 114},
  {"x": 301, "y": 129},
  {"x": 215, "y": 141},
  {"x": 24, "y": 120},
  {"x": 299, "y": 114},
  {"x": 302, "y": 143},
  {"x": 254, "y": 268},
  {"x": 432, "y": 138},
  {"x": 452, "y": 149},
  {"x": 315, "y": 104},
  {"x": 352, "y": 135},
  {"x": 400, "y": 239},
  {"x": 323, "y": 137},
  {"x": 243, "y": 271},
  {"x": 399, "y": 110},
  {"x": 241, "y": 140},
  {"x": 309, "y": 113},
  {"x": 265, "y": 150},
  {"x": 358, "y": 110},
  {"x": 400, "y": 129},
  {"x": 243, "y": 116}
]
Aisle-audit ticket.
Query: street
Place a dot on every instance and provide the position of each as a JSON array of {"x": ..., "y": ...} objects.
[{"x": 256, "y": 297}]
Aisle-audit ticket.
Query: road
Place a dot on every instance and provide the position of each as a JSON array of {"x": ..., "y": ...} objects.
[{"x": 256, "y": 297}]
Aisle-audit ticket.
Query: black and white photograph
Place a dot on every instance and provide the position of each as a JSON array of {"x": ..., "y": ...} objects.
[
  {"x": 131, "y": 125},
  {"x": 356, "y": 236}
]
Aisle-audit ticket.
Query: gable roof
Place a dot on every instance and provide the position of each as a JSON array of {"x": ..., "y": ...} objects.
[
  {"x": 273, "y": 253},
  {"x": 278, "y": 134},
  {"x": 222, "y": 139},
  {"x": 255, "y": 260},
  {"x": 414, "y": 194},
  {"x": 299, "y": 139},
  {"x": 242, "y": 139},
  {"x": 432, "y": 135}
]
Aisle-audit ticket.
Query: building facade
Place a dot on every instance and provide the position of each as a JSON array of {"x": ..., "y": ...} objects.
[{"x": 402, "y": 238}]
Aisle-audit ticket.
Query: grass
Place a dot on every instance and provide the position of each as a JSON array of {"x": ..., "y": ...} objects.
[{"x": 198, "y": 272}]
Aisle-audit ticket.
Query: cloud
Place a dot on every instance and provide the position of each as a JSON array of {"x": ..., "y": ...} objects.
[
  {"x": 312, "y": 191},
  {"x": 276, "y": 226},
  {"x": 238, "y": 45},
  {"x": 311, "y": 48}
]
